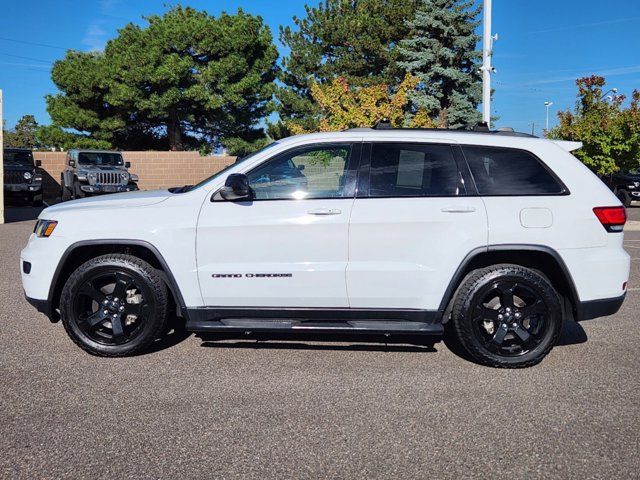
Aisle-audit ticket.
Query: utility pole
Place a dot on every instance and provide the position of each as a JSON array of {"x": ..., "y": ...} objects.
[
  {"x": 1, "y": 163},
  {"x": 487, "y": 68},
  {"x": 533, "y": 128}
]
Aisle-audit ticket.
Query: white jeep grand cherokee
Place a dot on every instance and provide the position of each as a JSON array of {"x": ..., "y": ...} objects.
[{"x": 496, "y": 235}]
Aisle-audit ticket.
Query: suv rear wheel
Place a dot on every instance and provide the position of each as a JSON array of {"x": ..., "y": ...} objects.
[
  {"x": 114, "y": 305},
  {"x": 507, "y": 316}
]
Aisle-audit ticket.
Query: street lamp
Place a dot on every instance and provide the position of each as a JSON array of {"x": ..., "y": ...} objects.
[
  {"x": 547, "y": 104},
  {"x": 611, "y": 97}
]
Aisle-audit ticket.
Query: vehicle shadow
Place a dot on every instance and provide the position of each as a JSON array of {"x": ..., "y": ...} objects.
[
  {"x": 320, "y": 341},
  {"x": 572, "y": 333}
]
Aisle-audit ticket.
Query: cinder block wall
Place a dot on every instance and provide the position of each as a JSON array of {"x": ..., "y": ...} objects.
[{"x": 155, "y": 169}]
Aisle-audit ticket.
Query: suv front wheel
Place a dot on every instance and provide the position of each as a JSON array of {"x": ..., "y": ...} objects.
[
  {"x": 507, "y": 316},
  {"x": 114, "y": 305}
]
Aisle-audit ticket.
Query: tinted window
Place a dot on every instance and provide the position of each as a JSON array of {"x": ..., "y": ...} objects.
[
  {"x": 313, "y": 172},
  {"x": 18, "y": 157},
  {"x": 403, "y": 170},
  {"x": 505, "y": 171}
]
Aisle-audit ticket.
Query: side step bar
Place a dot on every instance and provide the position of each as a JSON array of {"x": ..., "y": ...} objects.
[{"x": 276, "y": 324}]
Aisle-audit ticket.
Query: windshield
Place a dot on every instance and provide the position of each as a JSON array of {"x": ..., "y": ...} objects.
[
  {"x": 234, "y": 164},
  {"x": 18, "y": 157},
  {"x": 100, "y": 158}
]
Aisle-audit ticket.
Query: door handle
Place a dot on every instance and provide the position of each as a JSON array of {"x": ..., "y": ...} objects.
[
  {"x": 460, "y": 209},
  {"x": 325, "y": 211}
]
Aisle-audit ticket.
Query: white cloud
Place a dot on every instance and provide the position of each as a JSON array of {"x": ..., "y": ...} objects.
[
  {"x": 611, "y": 72},
  {"x": 95, "y": 37}
]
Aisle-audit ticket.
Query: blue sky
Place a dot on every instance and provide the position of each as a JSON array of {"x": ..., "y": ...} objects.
[{"x": 544, "y": 46}]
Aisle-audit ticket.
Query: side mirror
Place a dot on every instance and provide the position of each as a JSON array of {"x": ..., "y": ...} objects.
[
  {"x": 127, "y": 164},
  {"x": 236, "y": 188},
  {"x": 72, "y": 163},
  {"x": 38, "y": 163}
]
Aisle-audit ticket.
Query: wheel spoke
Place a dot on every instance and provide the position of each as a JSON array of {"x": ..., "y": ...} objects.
[
  {"x": 536, "y": 308},
  {"x": 498, "y": 338},
  {"x": 95, "y": 318},
  {"x": 122, "y": 284},
  {"x": 489, "y": 314},
  {"x": 522, "y": 333},
  {"x": 506, "y": 296},
  {"x": 92, "y": 292},
  {"x": 116, "y": 326}
]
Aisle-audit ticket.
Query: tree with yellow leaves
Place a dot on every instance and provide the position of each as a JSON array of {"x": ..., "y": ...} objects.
[{"x": 343, "y": 106}]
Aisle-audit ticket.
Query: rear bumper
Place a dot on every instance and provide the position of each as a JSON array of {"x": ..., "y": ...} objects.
[{"x": 598, "y": 308}]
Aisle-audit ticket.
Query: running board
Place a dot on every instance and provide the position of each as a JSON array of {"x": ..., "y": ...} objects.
[{"x": 277, "y": 324}]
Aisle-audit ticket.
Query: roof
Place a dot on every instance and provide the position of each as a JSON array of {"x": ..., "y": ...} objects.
[
  {"x": 18, "y": 149},
  {"x": 91, "y": 150}
]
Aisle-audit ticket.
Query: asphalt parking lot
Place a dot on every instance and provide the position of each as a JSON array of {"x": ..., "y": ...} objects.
[{"x": 295, "y": 408}]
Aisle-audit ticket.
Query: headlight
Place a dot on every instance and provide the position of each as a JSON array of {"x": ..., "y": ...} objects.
[
  {"x": 124, "y": 175},
  {"x": 92, "y": 176},
  {"x": 27, "y": 175},
  {"x": 45, "y": 228}
]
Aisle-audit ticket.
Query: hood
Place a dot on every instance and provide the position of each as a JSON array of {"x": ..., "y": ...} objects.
[
  {"x": 101, "y": 167},
  {"x": 114, "y": 200}
]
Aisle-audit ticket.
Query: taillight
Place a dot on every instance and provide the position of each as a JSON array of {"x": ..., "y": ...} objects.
[{"x": 611, "y": 218}]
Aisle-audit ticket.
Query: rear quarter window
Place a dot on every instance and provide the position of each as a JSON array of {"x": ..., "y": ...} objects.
[{"x": 508, "y": 171}]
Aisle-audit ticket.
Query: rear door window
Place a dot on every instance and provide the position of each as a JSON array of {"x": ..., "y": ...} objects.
[
  {"x": 412, "y": 170},
  {"x": 508, "y": 171}
]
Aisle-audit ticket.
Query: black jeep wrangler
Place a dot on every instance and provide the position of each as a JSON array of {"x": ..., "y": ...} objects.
[
  {"x": 94, "y": 172},
  {"x": 625, "y": 184},
  {"x": 22, "y": 181}
]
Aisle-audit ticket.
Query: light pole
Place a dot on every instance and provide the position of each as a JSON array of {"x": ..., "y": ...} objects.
[
  {"x": 487, "y": 68},
  {"x": 613, "y": 90},
  {"x": 547, "y": 104}
]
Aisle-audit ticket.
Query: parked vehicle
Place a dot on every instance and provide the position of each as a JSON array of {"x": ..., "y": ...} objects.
[
  {"x": 22, "y": 181},
  {"x": 95, "y": 172},
  {"x": 498, "y": 236},
  {"x": 625, "y": 184}
]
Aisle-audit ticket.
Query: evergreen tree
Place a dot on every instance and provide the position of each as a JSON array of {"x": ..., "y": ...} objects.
[
  {"x": 185, "y": 79},
  {"x": 24, "y": 133},
  {"x": 353, "y": 39},
  {"x": 441, "y": 52}
]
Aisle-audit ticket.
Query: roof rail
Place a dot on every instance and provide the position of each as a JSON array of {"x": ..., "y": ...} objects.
[{"x": 482, "y": 127}]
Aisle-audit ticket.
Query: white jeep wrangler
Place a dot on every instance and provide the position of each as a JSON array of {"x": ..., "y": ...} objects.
[{"x": 496, "y": 235}]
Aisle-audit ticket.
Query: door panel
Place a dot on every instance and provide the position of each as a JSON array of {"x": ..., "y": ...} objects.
[
  {"x": 405, "y": 247},
  {"x": 289, "y": 246}
]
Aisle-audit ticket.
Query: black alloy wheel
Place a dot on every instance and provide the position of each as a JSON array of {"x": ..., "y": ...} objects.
[
  {"x": 510, "y": 318},
  {"x": 111, "y": 307},
  {"x": 507, "y": 316}
]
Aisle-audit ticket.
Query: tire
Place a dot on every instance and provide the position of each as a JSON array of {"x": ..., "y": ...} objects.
[
  {"x": 65, "y": 194},
  {"x": 110, "y": 329},
  {"x": 624, "y": 197},
  {"x": 77, "y": 191},
  {"x": 36, "y": 200},
  {"x": 506, "y": 316}
]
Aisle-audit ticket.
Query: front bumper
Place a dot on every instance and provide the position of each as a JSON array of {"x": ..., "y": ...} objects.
[
  {"x": 98, "y": 189},
  {"x": 23, "y": 187}
]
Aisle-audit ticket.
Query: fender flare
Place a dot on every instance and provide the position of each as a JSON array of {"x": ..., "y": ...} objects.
[
  {"x": 460, "y": 271},
  {"x": 166, "y": 273}
]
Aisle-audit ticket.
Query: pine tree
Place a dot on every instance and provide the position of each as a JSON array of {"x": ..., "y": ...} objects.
[
  {"x": 353, "y": 39},
  {"x": 441, "y": 51}
]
